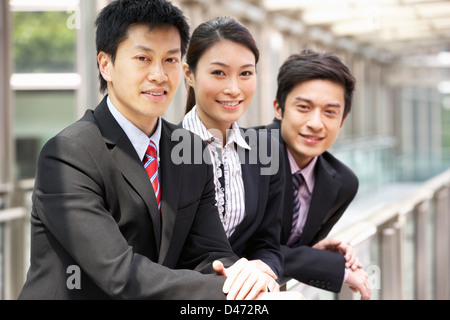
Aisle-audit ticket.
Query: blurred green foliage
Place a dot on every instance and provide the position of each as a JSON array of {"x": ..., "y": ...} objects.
[{"x": 42, "y": 42}]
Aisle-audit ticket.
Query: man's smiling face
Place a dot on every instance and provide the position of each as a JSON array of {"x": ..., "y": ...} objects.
[
  {"x": 145, "y": 75},
  {"x": 312, "y": 118}
]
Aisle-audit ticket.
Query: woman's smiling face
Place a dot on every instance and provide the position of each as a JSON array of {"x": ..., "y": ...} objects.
[{"x": 224, "y": 83}]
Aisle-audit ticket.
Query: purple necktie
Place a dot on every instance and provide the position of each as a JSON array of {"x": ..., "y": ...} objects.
[{"x": 297, "y": 179}]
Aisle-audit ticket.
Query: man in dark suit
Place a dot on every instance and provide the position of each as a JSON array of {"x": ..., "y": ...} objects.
[
  {"x": 100, "y": 229},
  {"x": 313, "y": 100}
]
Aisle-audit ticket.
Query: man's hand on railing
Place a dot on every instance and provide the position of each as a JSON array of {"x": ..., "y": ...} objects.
[
  {"x": 351, "y": 260},
  {"x": 357, "y": 280}
]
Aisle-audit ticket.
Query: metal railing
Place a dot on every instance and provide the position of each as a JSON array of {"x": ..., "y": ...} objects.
[
  {"x": 404, "y": 246},
  {"x": 14, "y": 237}
]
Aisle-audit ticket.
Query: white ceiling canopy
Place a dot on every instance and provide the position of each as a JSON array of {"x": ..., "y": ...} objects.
[
  {"x": 43, "y": 5},
  {"x": 393, "y": 26}
]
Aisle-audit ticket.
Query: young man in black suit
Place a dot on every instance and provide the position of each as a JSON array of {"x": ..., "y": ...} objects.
[
  {"x": 103, "y": 227},
  {"x": 313, "y": 100}
]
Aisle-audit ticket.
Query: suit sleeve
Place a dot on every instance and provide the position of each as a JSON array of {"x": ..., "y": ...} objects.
[
  {"x": 207, "y": 240},
  {"x": 318, "y": 268},
  {"x": 69, "y": 201}
]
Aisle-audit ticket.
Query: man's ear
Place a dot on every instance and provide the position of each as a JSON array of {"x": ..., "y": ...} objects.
[
  {"x": 277, "y": 110},
  {"x": 104, "y": 63},
  {"x": 189, "y": 75}
]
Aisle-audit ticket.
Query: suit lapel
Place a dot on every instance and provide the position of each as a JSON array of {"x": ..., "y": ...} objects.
[
  {"x": 288, "y": 201},
  {"x": 171, "y": 176},
  {"x": 250, "y": 176},
  {"x": 326, "y": 189},
  {"x": 289, "y": 196},
  {"x": 123, "y": 152}
]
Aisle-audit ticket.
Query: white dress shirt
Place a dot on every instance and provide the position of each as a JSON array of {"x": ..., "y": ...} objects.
[
  {"x": 231, "y": 198},
  {"x": 138, "y": 138}
]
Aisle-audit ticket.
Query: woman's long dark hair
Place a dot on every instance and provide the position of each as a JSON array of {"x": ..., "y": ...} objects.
[{"x": 208, "y": 34}]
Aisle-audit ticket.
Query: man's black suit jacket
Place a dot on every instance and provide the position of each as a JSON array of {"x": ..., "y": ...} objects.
[
  {"x": 94, "y": 210},
  {"x": 335, "y": 187}
]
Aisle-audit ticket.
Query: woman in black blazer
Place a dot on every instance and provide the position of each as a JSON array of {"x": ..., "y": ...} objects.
[{"x": 221, "y": 72}]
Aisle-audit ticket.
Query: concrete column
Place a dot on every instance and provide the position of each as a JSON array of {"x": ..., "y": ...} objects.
[
  {"x": 6, "y": 138},
  {"x": 88, "y": 94}
]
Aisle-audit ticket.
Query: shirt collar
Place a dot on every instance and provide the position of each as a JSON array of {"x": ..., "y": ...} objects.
[
  {"x": 235, "y": 135},
  {"x": 138, "y": 139},
  {"x": 307, "y": 172},
  {"x": 193, "y": 123}
]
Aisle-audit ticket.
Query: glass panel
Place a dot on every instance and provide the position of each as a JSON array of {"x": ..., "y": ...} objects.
[
  {"x": 42, "y": 42},
  {"x": 372, "y": 160},
  {"x": 39, "y": 115}
]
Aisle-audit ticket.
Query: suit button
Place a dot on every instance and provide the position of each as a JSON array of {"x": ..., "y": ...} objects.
[{"x": 311, "y": 282}]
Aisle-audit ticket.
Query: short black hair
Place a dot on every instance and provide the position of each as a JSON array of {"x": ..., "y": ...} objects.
[
  {"x": 310, "y": 65},
  {"x": 114, "y": 21}
]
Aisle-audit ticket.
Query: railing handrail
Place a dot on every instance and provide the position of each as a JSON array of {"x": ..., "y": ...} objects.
[
  {"x": 12, "y": 214},
  {"x": 5, "y": 188},
  {"x": 360, "y": 231},
  {"x": 383, "y": 237}
]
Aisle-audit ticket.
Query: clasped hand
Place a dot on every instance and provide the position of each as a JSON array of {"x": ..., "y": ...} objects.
[{"x": 246, "y": 279}]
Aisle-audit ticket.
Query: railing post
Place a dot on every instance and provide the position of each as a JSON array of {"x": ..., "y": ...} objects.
[
  {"x": 442, "y": 244},
  {"x": 14, "y": 237},
  {"x": 422, "y": 250},
  {"x": 392, "y": 263},
  {"x": 14, "y": 229}
]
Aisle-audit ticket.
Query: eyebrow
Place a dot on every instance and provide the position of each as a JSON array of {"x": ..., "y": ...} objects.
[
  {"x": 227, "y": 66},
  {"x": 147, "y": 49},
  {"x": 300, "y": 98}
]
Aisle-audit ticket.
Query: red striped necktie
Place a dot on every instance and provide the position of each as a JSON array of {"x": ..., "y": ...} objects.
[{"x": 151, "y": 166}]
